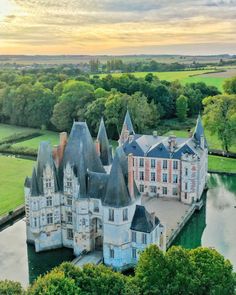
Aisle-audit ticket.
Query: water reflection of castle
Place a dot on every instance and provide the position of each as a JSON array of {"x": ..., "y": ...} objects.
[{"x": 191, "y": 235}]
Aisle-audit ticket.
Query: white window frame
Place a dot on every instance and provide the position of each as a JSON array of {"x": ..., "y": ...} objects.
[{"x": 111, "y": 215}]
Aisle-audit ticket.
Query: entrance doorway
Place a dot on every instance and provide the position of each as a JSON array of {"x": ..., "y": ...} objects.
[{"x": 97, "y": 234}]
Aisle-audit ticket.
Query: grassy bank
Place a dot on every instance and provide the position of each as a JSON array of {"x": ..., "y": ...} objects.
[
  {"x": 221, "y": 164},
  {"x": 12, "y": 175}
]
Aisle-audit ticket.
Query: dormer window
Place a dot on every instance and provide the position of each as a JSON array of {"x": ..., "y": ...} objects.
[{"x": 48, "y": 183}]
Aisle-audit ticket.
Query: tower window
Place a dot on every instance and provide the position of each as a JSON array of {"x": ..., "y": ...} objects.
[
  {"x": 125, "y": 214},
  {"x": 69, "y": 182},
  {"x": 186, "y": 171},
  {"x": 111, "y": 215},
  {"x": 70, "y": 235},
  {"x": 96, "y": 206},
  {"x": 144, "y": 238},
  {"x": 69, "y": 217},
  {"x": 69, "y": 200},
  {"x": 134, "y": 236},
  {"x": 134, "y": 253},
  {"x": 112, "y": 253}
]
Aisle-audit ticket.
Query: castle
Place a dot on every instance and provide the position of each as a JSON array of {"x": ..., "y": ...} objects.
[{"x": 80, "y": 197}]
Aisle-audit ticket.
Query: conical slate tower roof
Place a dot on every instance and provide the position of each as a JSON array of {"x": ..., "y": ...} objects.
[
  {"x": 105, "y": 152},
  {"x": 199, "y": 130},
  {"x": 45, "y": 158},
  {"x": 81, "y": 154},
  {"x": 128, "y": 123},
  {"x": 34, "y": 185},
  {"x": 117, "y": 194}
]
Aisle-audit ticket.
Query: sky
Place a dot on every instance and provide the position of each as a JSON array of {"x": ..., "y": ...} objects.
[{"x": 117, "y": 27}]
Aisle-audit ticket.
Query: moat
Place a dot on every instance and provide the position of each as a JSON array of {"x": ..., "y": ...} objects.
[{"x": 213, "y": 226}]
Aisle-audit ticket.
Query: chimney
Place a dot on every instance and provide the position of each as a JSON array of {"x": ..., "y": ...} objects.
[
  {"x": 130, "y": 175},
  {"x": 154, "y": 133},
  {"x": 172, "y": 142},
  {"x": 97, "y": 147},
  {"x": 61, "y": 148}
]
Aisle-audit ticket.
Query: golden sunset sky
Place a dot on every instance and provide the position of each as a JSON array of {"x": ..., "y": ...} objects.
[{"x": 117, "y": 27}]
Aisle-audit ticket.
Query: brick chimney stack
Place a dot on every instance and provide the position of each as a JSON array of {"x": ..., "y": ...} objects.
[
  {"x": 98, "y": 147},
  {"x": 130, "y": 175}
]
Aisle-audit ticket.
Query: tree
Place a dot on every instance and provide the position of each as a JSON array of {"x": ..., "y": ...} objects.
[
  {"x": 11, "y": 288},
  {"x": 215, "y": 274},
  {"x": 220, "y": 118},
  {"x": 151, "y": 273},
  {"x": 72, "y": 105},
  {"x": 182, "y": 107},
  {"x": 54, "y": 283},
  {"x": 229, "y": 86},
  {"x": 181, "y": 271}
]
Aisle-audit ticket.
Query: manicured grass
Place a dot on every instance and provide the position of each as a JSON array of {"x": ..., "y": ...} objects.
[
  {"x": 12, "y": 175},
  {"x": 177, "y": 133},
  {"x": 221, "y": 164},
  {"x": 52, "y": 137},
  {"x": 8, "y": 130},
  {"x": 210, "y": 81}
]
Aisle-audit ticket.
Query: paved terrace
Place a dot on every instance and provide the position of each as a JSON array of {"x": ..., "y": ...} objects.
[
  {"x": 94, "y": 257},
  {"x": 172, "y": 213}
]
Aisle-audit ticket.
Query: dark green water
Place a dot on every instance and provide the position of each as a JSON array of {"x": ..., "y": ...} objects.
[{"x": 213, "y": 226}]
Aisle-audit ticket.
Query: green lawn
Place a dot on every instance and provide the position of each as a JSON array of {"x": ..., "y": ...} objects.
[
  {"x": 8, "y": 130},
  {"x": 183, "y": 76},
  {"x": 221, "y": 164},
  {"x": 12, "y": 175},
  {"x": 52, "y": 137}
]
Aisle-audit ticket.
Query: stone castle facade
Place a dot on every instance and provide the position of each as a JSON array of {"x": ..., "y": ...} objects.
[{"x": 80, "y": 197}]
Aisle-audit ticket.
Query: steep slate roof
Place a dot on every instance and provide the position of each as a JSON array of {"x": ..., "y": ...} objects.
[
  {"x": 81, "y": 154},
  {"x": 105, "y": 151},
  {"x": 27, "y": 182},
  {"x": 117, "y": 194},
  {"x": 128, "y": 123},
  {"x": 199, "y": 131},
  {"x": 45, "y": 158},
  {"x": 143, "y": 221},
  {"x": 34, "y": 185},
  {"x": 97, "y": 184}
]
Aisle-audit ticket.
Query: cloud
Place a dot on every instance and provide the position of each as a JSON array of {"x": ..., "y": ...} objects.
[{"x": 99, "y": 26}]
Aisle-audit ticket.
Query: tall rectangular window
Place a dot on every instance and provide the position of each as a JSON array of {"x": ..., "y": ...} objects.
[
  {"x": 141, "y": 188},
  {"x": 141, "y": 162},
  {"x": 164, "y": 190},
  {"x": 112, "y": 253},
  {"x": 69, "y": 217},
  {"x": 35, "y": 222},
  {"x": 96, "y": 206},
  {"x": 175, "y": 191},
  {"x": 153, "y": 176},
  {"x": 144, "y": 238},
  {"x": 153, "y": 163},
  {"x": 175, "y": 178},
  {"x": 49, "y": 201},
  {"x": 186, "y": 186},
  {"x": 186, "y": 171},
  {"x": 69, "y": 182},
  {"x": 164, "y": 164},
  {"x": 69, "y": 200},
  {"x": 175, "y": 164},
  {"x": 111, "y": 215},
  {"x": 48, "y": 183},
  {"x": 125, "y": 214},
  {"x": 49, "y": 218},
  {"x": 134, "y": 236},
  {"x": 164, "y": 177},
  {"x": 141, "y": 175},
  {"x": 134, "y": 253},
  {"x": 70, "y": 234}
]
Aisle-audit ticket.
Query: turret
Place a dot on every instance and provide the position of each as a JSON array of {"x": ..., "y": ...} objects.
[
  {"x": 102, "y": 145},
  {"x": 198, "y": 135},
  {"x": 127, "y": 131}
]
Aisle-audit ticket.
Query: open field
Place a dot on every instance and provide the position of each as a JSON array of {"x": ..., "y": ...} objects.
[
  {"x": 12, "y": 175},
  {"x": 52, "y": 137},
  {"x": 227, "y": 74},
  {"x": 8, "y": 130},
  {"x": 221, "y": 164}
]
